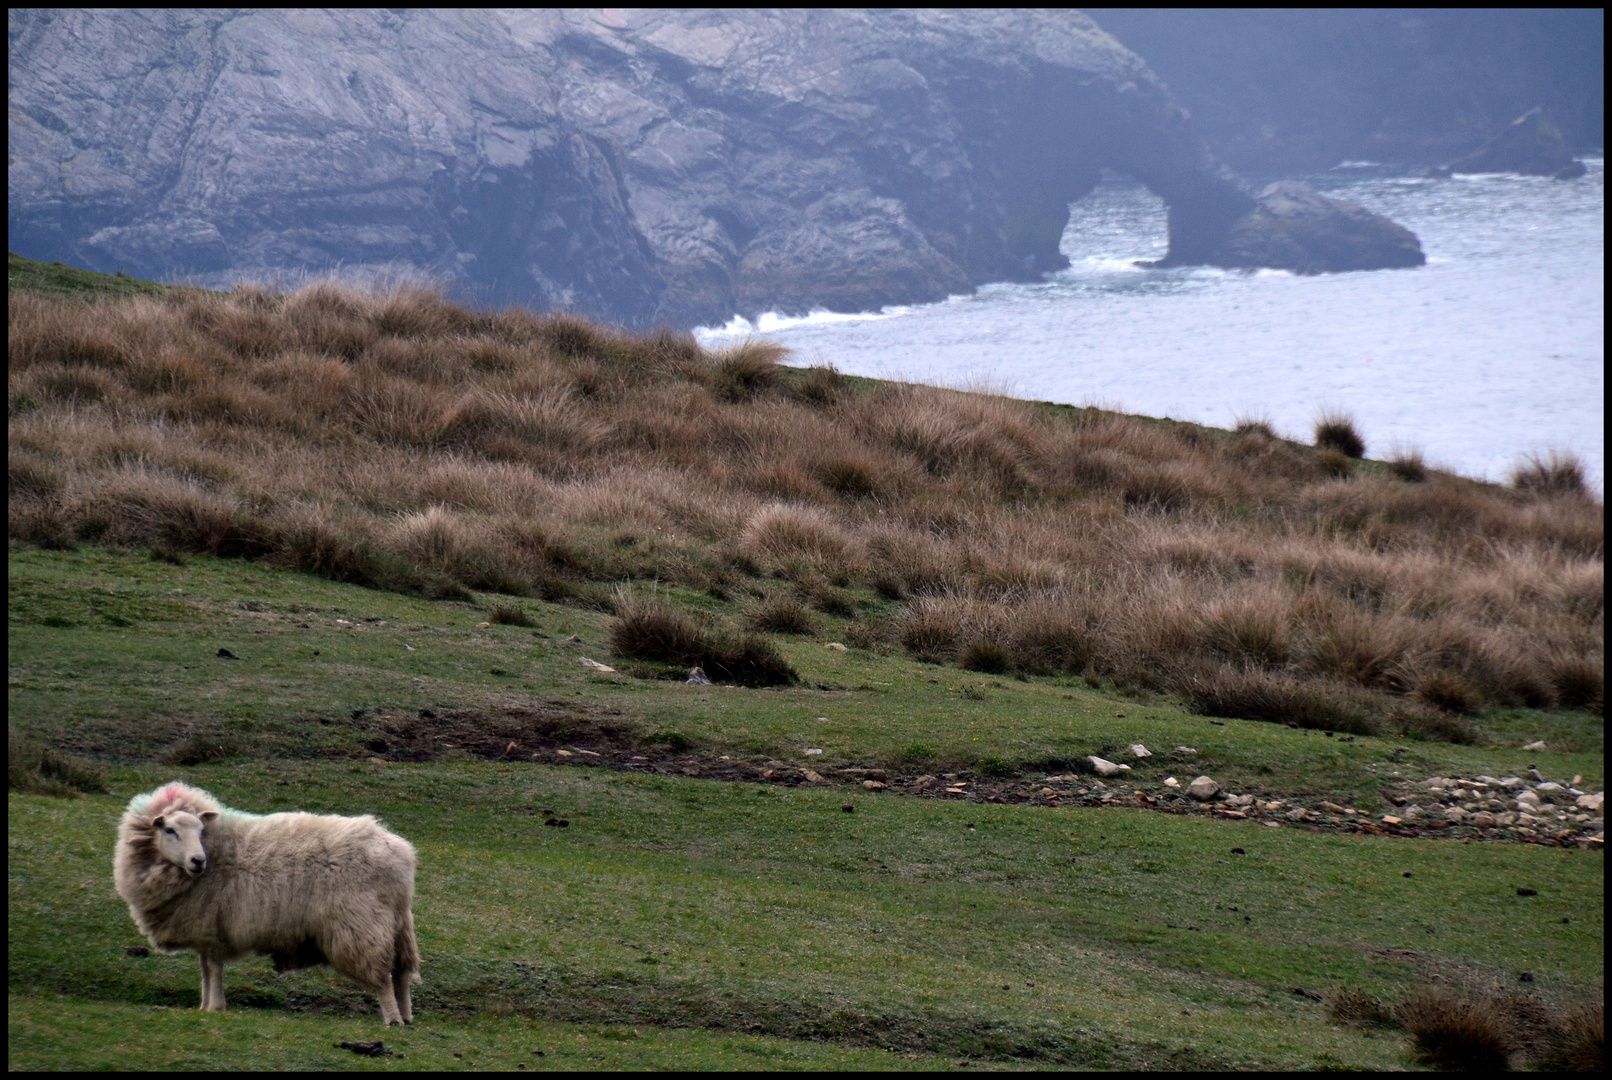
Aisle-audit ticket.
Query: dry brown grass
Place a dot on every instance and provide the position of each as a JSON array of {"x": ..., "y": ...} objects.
[{"x": 403, "y": 441}]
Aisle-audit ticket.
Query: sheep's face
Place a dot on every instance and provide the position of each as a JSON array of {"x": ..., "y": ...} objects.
[{"x": 179, "y": 839}]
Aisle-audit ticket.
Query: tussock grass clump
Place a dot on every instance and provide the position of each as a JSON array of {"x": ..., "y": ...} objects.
[
  {"x": 1552, "y": 474},
  {"x": 1457, "y": 1033},
  {"x": 398, "y": 440},
  {"x": 1574, "y": 1042},
  {"x": 1409, "y": 466},
  {"x": 1350, "y": 1006},
  {"x": 783, "y": 615},
  {"x": 509, "y": 615},
  {"x": 1260, "y": 695},
  {"x": 648, "y": 629},
  {"x": 36, "y": 769},
  {"x": 1336, "y": 431}
]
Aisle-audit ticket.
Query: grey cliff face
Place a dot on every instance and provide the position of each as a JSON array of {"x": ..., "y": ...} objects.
[{"x": 641, "y": 166}]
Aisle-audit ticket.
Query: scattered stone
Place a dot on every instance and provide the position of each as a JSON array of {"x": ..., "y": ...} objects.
[
  {"x": 1138, "y": 750},
  {"x": 812, "y": 778},
  {"x": 1436, "y": 783},
  {"x": 864, "y": 774},
  {"x": 595, "y": 665},
  {"x": 1186, "y": 749},
  {"x": 1524, "y": 891},
  {"x": 483, "y": 625},
  {"x": 836, "y": 646},
  {"x": 574, "y": 639},
  {"x": 1238, "y": 851},
  {"x": 1455, "y": 815},
  {"x": 1105, "y": 767},
  {"x": 137, "y": 950},
  {"x": 1203, "y": 789},
  {"x": 924, "y": 782},
  {"x": 813, "y": 751},
  {"x": 874, "y": 785},
  {"x": 1549, "y": 786},
  {"x": 225, "y": 654},
  {"x": 562, "y": 753},
  {"x": 378, "y": 761},
  {"x": 1526, "y": 976},
  {"x": 1332, "y": 808},
  {"x": 1483, "y": 820},
  {"x": 587, "y": 753},
  {"x": 697, "y": 677},
  {"x": 1592, "y": 803},
  {"x": 1405, "y": 873},
  {"x": 1536, "y": 774},
  {"x": 1388, "y": 819},
  {"x": 1171, "y": 782},
  {"x": 1511, "y": 783}
]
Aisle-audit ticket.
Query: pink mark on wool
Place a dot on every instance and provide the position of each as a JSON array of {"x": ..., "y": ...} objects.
[{"x": 173, "y": 793}]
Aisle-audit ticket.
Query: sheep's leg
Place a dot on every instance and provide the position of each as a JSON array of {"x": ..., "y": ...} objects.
[
  {"x": 400, "y": 993},
  {"x": 390, "y": 1014},
  {"x": 212, "y": 984}
]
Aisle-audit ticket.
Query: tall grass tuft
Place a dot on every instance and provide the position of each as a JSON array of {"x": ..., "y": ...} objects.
[
  {"x": 36, "y": 769},
  {"x": 648, "y": 629},
  {"x": 1457, "y": 1033},
  {"x": 1336, "y": 431},
  {"x": 1552, "y": 474}
]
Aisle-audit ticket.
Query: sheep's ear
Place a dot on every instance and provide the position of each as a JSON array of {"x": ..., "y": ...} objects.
[
  {"x": 156, "y": 822},
  {"x": 208, "y": 815}
]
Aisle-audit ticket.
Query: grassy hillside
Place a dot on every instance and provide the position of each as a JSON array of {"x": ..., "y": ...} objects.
[{"x": 348, "y": 553}]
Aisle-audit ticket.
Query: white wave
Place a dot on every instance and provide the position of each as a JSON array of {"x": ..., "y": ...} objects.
[
  {"x": 1358, "y": 165},
  {"x": 1107, "y": 264},
  {"x": 771, "y": 322}
]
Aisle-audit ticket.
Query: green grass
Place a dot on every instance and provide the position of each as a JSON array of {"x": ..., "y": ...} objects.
[
  {"x": 58, "y": 280},
  {"x": 734, "y": 925}
]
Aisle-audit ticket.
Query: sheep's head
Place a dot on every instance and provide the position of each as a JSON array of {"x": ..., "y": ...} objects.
[{"x": 179, "y": 838}]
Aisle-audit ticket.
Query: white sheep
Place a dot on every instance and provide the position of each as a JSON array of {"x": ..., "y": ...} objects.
[{"x": 304, "y": 889}]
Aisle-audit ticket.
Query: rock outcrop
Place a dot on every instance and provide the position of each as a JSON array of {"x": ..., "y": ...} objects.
[
  {"x": 1530, "y": 145},
  {"x": 1293, "y": 227},
  {"x": 641, "y": 166}
]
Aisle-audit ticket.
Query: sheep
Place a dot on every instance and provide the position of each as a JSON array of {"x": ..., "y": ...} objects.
[{"x": 304, "y": 889}]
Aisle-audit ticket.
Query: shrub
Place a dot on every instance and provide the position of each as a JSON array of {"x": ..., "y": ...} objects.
[
  {"x": 1450, "y": 1033},
  {"x": 35, "y": 768},
  {"x": 1335, "y": 431},
  {"x": 985, "y": 654},
  {"x": 1551, "y": 474}
]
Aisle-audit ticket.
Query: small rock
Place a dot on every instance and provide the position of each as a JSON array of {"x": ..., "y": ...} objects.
[
  {"x": 1591, "y": 803},
  {"x": 1511, "y": 783},
  {"x": 1105, "y": 767},
  {"x": 1389, "y": 819},
  {"x": 1549, "y": 786},
  {"x": 1186, "y": 749},
  {"x": 874, "y": 785},
  {"x": 562, "y": 753},
  {"x": 1538, "y": 777},
  {"x": 1405, "y": 873},
  {"x": 848, "y": 808},
  {"x": 594, "y": 665},
  {"x": 1483, "y": 820},
  {"x": 1238, "y": 851},
  {"x": 814, "y": 751},
  {"x": 586, "y": 753},
  {"x": 1524, "y": 891},
  {"x": 1171, "y": 782},
  {"x": 924, "y": 782},
  {"x": 137, "y": 950},
  {"x": 697, "y": 677},
  {"x": 813, "y": 778},
  {"x": 1526, "y": 976},
  {"x": 574, "y": 639},
  {"x": 564, "y": 823},
  {"x": 483, "y": 625},
  {"x": 836, "y": 646},
  {"x": 378, "y": 761},
  {"x": 1138, "y": 750},
  {"x": 1455, "y": 815},
  {"x": 1332, "y": 808},
  {"x": 1203, "y": 789}
]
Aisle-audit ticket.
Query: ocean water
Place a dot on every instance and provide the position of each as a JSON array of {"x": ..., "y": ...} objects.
[{"x": 1492, "y": 351}]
